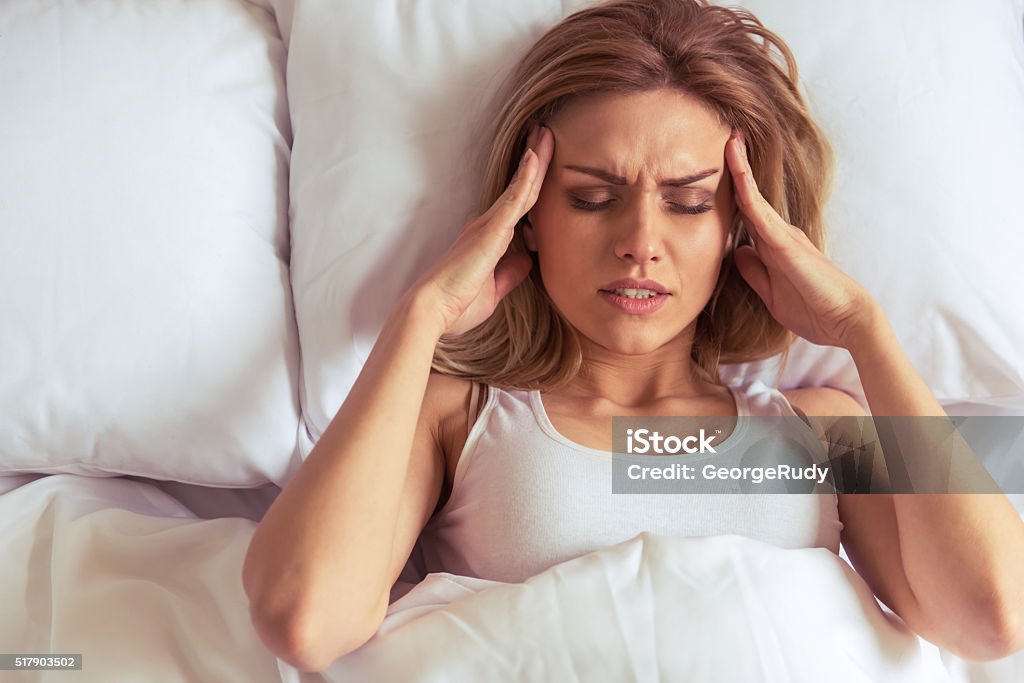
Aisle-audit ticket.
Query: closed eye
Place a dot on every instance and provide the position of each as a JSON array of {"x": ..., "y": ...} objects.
[
  {"x": 590, "y": 206},
  {"x": 691, "y": 210},
  {"x": 676, "y": 208}
]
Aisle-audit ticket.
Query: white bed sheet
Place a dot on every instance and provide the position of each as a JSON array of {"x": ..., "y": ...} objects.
[{"x": 125, "y": 574}]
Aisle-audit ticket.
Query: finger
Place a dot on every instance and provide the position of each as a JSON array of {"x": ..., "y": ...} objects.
[
  {"x": 753, "y": 271},
  {"x": 522, "y": 176},
  {"x": 517, "y": 199},
  {"x": 510, "y": 272},
  {"x": 735, "y": 151},
  {"x": 493, "y": 231},
  {"x": 544, "y": 144},
  {"x": 768, "y": 226}
]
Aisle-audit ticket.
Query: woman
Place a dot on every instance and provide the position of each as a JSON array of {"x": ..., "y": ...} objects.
[{"x": 655, "y": 192}]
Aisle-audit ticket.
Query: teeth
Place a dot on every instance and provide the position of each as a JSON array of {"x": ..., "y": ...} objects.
[{"x": 635, "y": 293}]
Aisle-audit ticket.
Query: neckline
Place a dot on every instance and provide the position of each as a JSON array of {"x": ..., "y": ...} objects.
[{"x": 739, "y": 398}]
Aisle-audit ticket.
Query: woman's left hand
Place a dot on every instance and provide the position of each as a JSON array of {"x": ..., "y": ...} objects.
[{"x": 802, "y": 288}]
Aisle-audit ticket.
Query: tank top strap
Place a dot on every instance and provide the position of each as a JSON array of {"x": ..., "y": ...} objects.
[
  {"x": 501, "y": 407},
  {"x": 474, "y": 401},
  {"x": 760, "y": 399},
  {"x": 742, "y": 402}
]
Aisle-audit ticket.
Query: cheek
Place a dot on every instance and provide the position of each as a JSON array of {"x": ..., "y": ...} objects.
[
  {"x": 699, "y": 259},
  {"x": 719, "y": 228},
  {"x": 556, "y": 228},
  {"x": 704, "y": 241}
]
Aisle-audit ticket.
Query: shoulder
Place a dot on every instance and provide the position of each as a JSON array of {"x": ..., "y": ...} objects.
[
  {"x": 823, "y": 402},
  {"x": 446, "y": 396},
  {"x": 450, "y": 402}
]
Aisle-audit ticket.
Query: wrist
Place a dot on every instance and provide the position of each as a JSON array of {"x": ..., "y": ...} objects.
[
  {"x": 870, "y": 331},
  {"x": 417, "y": 307}
]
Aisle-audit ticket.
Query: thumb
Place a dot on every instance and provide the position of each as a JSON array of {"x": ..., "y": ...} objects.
[
  {"x": 753, "y": 271},
  {"x": 509, "y": 272}
]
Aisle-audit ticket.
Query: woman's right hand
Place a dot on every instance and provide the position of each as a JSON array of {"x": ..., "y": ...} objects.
[{"x": 469, "y": 280}]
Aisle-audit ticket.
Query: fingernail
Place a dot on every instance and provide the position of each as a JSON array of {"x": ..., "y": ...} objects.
[{"x": 531, "y": 139}]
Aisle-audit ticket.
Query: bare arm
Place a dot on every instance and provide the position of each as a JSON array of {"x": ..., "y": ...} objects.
[
  {"x": 322, "y": 561},
  {"x": 953, "y": 605},
  {"x": 962, "y": 554},
  {"x": 321, "y": 564},
  {"x": 949, "y": 564}
]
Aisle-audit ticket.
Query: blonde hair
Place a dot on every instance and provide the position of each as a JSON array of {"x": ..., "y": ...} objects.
[{"x": 723, "y": 57}]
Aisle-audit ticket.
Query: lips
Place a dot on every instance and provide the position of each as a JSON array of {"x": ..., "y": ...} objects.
[
  {"x": 635, "y": 306},
  {"x": 630, "y": 283}
]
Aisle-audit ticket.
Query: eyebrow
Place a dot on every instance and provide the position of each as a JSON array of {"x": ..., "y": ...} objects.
[{"x": 619, "y": 180}]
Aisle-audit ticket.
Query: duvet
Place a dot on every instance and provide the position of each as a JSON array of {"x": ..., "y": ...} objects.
[{"x": 125, "y": 575}]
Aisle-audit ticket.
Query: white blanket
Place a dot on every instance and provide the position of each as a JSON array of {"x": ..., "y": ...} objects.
[
  {"x": 127, "y": 576},
  {"x": 725, "y": 608}
]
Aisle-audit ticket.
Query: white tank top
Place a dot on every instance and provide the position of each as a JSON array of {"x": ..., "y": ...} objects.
[{"x": 525, "y": 497}]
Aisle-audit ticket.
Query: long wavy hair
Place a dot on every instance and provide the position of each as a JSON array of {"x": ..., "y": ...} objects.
[{"x": 725, "y": 58}]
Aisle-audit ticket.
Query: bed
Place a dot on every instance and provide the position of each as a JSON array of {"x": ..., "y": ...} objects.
[{"x": 208, "y": 207}]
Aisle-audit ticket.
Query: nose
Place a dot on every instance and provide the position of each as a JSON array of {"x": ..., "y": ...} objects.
[{"x": 639, "y": 235}]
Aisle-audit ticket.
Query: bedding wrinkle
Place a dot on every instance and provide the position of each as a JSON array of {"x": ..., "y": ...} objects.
[
  {"x": 575, "y": 663},
  {"x": 636, "y": 623},
  {"x": 769, "y": 649},
  {"x": 609, "y": 601},
  {"x": 130, "y": 589},
  {"x": 39, "y": 587}
]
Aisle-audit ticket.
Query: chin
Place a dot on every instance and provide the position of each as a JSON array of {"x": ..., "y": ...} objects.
[{"x": 631, "y": 344}]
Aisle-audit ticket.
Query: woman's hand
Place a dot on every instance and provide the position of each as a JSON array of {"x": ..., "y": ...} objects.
[
  {"x": 467, "y": 283},
  {"x": 802, "y": 288}
]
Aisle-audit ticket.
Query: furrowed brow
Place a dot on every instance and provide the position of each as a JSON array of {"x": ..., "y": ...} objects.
[{"x": 619, "y": 180}]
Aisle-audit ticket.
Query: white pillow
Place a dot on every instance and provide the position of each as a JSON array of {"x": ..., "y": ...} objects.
[
  {"x": 147, "y": 321},
  {"x": 923, "y": 102}
]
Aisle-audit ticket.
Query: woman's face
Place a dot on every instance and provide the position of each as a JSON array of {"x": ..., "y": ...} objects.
[{"x": 637, "y": 189}]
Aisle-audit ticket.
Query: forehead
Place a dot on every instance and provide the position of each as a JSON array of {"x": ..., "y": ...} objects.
[{"x": 664, "y": 130}]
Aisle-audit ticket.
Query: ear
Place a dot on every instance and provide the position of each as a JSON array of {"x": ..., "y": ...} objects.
[{"x": 528, "y": 234}]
